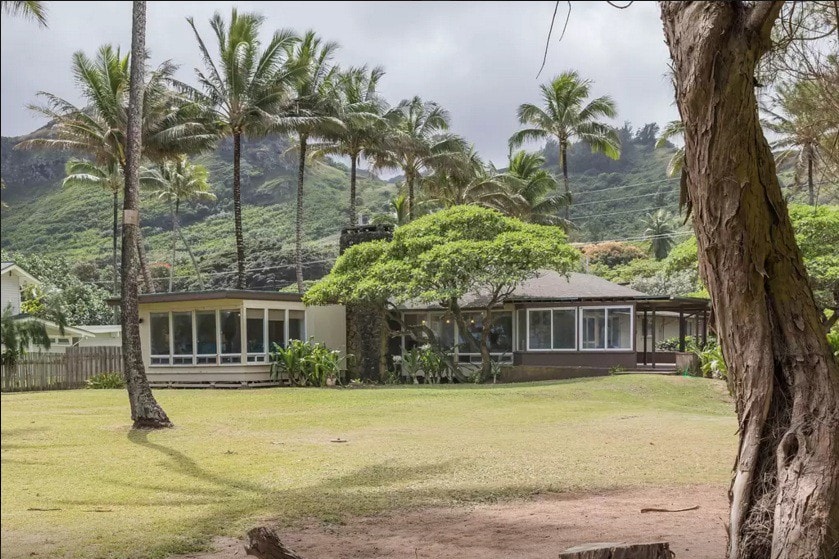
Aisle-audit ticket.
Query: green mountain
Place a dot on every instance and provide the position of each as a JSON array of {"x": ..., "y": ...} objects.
[{"x": 611, "y": 199}]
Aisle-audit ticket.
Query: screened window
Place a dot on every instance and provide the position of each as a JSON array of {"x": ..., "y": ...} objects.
[
  {"x": 594, "y": 328},
  {"x": 539, "y": 329},
  {"x": 159, "y": 326},
  {"x": 443, "y": 329},
  {"x": 413, "y": 322},
  {"x": 276, "y": 329},
  {"x": 620, "y": 328},
  {"x": 296, "y": 327},
  {"x": 565, "y": 329},
  {"x": 255, "y": 341},
  {"x": 231, "y": 336},
  {"x": 501, "y": 333},
  {"x": 205, "y": 337},
  {"x": 474, "y": 330},
  {"x": 182, "y": 338}
]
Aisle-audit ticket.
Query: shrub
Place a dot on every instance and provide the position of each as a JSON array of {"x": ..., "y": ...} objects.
[
  {"x": 426, "y": 362},
  {"x": 833, "y": 340},
  {"x": 711, "y": 362},
  {"x": 106, "y": 380},
  {"x": 307, "y": 363},
  {"x": 612, "y": 253}
]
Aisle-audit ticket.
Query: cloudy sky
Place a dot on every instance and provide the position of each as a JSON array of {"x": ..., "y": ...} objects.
[{"x": 477, "y": 59}]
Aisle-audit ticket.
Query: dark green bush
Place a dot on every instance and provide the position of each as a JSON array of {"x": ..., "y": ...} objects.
[{"x": 106, "y": 380}]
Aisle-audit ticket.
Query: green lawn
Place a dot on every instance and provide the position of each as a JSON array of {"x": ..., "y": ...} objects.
[{"x": 239, "y": 456}]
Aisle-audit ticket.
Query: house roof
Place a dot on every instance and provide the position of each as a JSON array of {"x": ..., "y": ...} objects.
[
  {"x": 216, "y": 294},
  {"x": 101, "y": 328},
  {"x": 68, "y": 330},
  {"x": 11, "y": 267}
]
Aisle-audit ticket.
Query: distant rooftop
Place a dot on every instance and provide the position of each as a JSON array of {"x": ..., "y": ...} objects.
[{"x": 215, "y": 294}]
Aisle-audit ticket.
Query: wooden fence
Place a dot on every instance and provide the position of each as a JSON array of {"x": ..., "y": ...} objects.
[{"x": 60, "y": 371}]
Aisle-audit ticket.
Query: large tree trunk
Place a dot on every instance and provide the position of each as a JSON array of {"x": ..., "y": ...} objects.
[
  {"x": 409, "y": 181},
  {"x": 785, "y": 488},
  {"x": 145, "y": 411},
  {"x": 174, "y": 246},
  {"x": 237, "y": 210},
  {"x": 298, "y": 222},
  {"x": 563, "y": 161},
  {"x": 144, "y": 262},
  {"x": 115, "y": 243},
  {"x": 353, "y": 165}
]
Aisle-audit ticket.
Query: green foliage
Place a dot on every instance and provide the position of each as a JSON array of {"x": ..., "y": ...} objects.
[
  {"x": 306, "y": 363},
  {"x": 17, "y": 335},
  {"x": 711, "y": 362},
  {"x": 817, "y": 235},
  {"x": 611, "y": 253},
  {"x": 833, "y": 340},
  {"x": 105, "y": 381},
  {"x": 63, "y": 292},
  {"x": 426, "y": 362}
]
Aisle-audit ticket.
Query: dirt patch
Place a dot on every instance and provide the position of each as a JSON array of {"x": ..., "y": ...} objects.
[{"x": 538, "y": 528}]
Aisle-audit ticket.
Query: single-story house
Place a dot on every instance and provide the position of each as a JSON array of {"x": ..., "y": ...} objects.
[
  {"x": 223, "y": 337},
  {"x": 101, "y": 335},
  {"x": 553, "y": 326}
]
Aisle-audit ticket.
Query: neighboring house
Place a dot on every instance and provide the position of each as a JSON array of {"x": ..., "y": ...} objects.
[
  {"x": 554, "y": 326},
  {"x": 14, "y": 280},
  {"x": 223, "y": 338},
  {"x": 102, "y": 335}
]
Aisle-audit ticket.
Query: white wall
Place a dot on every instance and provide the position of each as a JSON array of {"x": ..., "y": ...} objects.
[
  {"x": 328, "y": 324},
  {"x": 10, "y": 292}
]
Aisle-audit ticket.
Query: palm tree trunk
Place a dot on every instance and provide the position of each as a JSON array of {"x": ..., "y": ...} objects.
[
  {"x": 810, "y": 185},
  {"x": 145, "y": 411},
  {"x": 409, "y": 180},
  {"x": 237, "y": 211},
  {"x": 353, "y": 165},
  {"x": 298, "y": 223},
  {"x": 192, "y": 258},
  {"x": 115, "y": 242},
  {"x": 563, "y": 160},
  {"x": 144, "y": 266},
  {"x": 174, "y": 245}
]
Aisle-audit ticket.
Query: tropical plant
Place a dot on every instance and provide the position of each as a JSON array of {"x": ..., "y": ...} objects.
[
  {"x": 17, "y": 335},
  {"x": 466, "y": 179},
  {"x": 611, "y": 253},
  {"x": 171, "y": 124},
  {"x": 312, "y": 115},
  {"x": 711, "y": 361},
  {"x": 802, "y": 132},
  {"x": 87, "y": 174},
  {"x": 174, "y": 182},
  {"x": 306, "y": 363},
  {"x": 245, "y": 90},
  {"x": 673, "y": 129},
  {"x": 536, "y": 190},
  {"x": 568, "y": 116},
  {"x": 659, "y": 229},
  {"x": 417, "y": 142},
  {"x": 28, "y": 9},
  {"x": 360, "y": 109},
  {"x": 103, "y": 381}
]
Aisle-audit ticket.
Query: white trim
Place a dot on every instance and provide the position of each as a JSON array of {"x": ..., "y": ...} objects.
[
  {"x": 551, "y": 349},
  {"x": 605, "y": 309}
]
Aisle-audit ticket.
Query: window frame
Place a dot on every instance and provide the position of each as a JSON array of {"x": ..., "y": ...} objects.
[
  {"x": 551, "y": 310},
  {"x": 606, "y": 348}
]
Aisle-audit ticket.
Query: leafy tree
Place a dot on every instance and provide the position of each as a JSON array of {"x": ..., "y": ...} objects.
[
  {"x": 87, "y": 174},
  {"x": 611, "y": 253},
  {"x": 313, "y": 114},
  {"x": 804, "y": 132},
  {"x": 647, "y": 135},
  {"x": 536, "y": 191},
  {"x": 29, "y": 9},
  {"x": 567, "y": 116},
  {"x": 245, "y": 91},
  {"x": 673, "y": 129},
  {"x": 785, "y": 489},
  {"x": 361, "y": 111},
  {"x": 170, "y": 123},
  {"x": 466, "y": 179},
  {"x": 660, "y": 229},
  {"x": 445, "y": 256},
  {"x": 145, "y": 411},
  {"x": 175, "y": 182},
  {"x": 418, "y": 142},
  {"x": 17, "y": 335}
]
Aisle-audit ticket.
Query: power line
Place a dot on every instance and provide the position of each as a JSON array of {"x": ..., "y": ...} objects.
[
  {"x": 619, "y": 199},
  {"x": 628, "y": 186},
  {"x": 620, "y": 213}
]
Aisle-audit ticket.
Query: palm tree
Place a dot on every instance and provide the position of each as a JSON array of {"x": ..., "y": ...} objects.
[
  {"x": 673, "y": 129},
  {"x": 360, "y": 109},
  {"x": 660, "y": 229},
  {"x": 244, "y": 90},
  {"x": 466, "y": 179},
  {"x": 175, "y": 182},
  {"x": 417, "y": 142},
  {"x": 312, "y": 115},
  {"x": 145, "y": 411},
  {"x": 803, "y": 132},
  {"x": 536, "y": 191},
  {"x": 568, "y": 116},
  {"x": 399, "y": 205},
  {"x": 29, "y": 9},
  {"x": 86, "y": 174},
  {"x": 171, "y": 124}
]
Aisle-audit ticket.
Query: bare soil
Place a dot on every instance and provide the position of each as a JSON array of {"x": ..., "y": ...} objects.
[{"x": 536, "y": 528}]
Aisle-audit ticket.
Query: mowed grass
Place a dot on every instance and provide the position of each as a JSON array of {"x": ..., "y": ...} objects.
[{"x": 237, "y": 457}]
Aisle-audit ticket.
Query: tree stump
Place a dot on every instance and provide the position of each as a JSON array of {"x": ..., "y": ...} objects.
[
  {"x": 658, "y": 550},
  {"x": 264, "y": 543}
]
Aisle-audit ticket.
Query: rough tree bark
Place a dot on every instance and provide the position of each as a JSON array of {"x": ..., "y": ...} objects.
[
  {"x": 409, "y": 181},
  {"x": 298, "y": 222},
  {"x": 563, "y": 161},
  {"x": 115, "y": 241},
  {"x": 353, "y": 213},
  {"x": 145, "y": 411},
  {"x": 785, "y": 488},
  {"x": 237, "y": 210}
]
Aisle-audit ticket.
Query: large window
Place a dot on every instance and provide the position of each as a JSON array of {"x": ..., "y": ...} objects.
[
  {"x": 552, "y": 329},
  {"x": 565, "y": 329},
  {"x": 159, "y": 325},
  {"x": 413, "y": 322},
  {"x": 211, "y": 337},
  {"x": 539, "y": 329},
  {"x": 501, "y": 332},
  {"x": 609, "y": 328},
  {"x": 594, "y": 328},
  {"x": 443, "y": 328},
  {"x": 620, "y": 328}
]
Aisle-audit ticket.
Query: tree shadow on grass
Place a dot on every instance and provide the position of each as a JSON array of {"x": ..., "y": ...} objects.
[{"x": 233, "y": 505}]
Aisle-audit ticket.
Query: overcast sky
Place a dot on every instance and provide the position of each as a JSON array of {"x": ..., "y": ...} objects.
[{"x": 477, "y": 59}]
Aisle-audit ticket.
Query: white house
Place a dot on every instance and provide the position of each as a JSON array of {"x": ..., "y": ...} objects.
[{"x": 14, "y": 279}]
